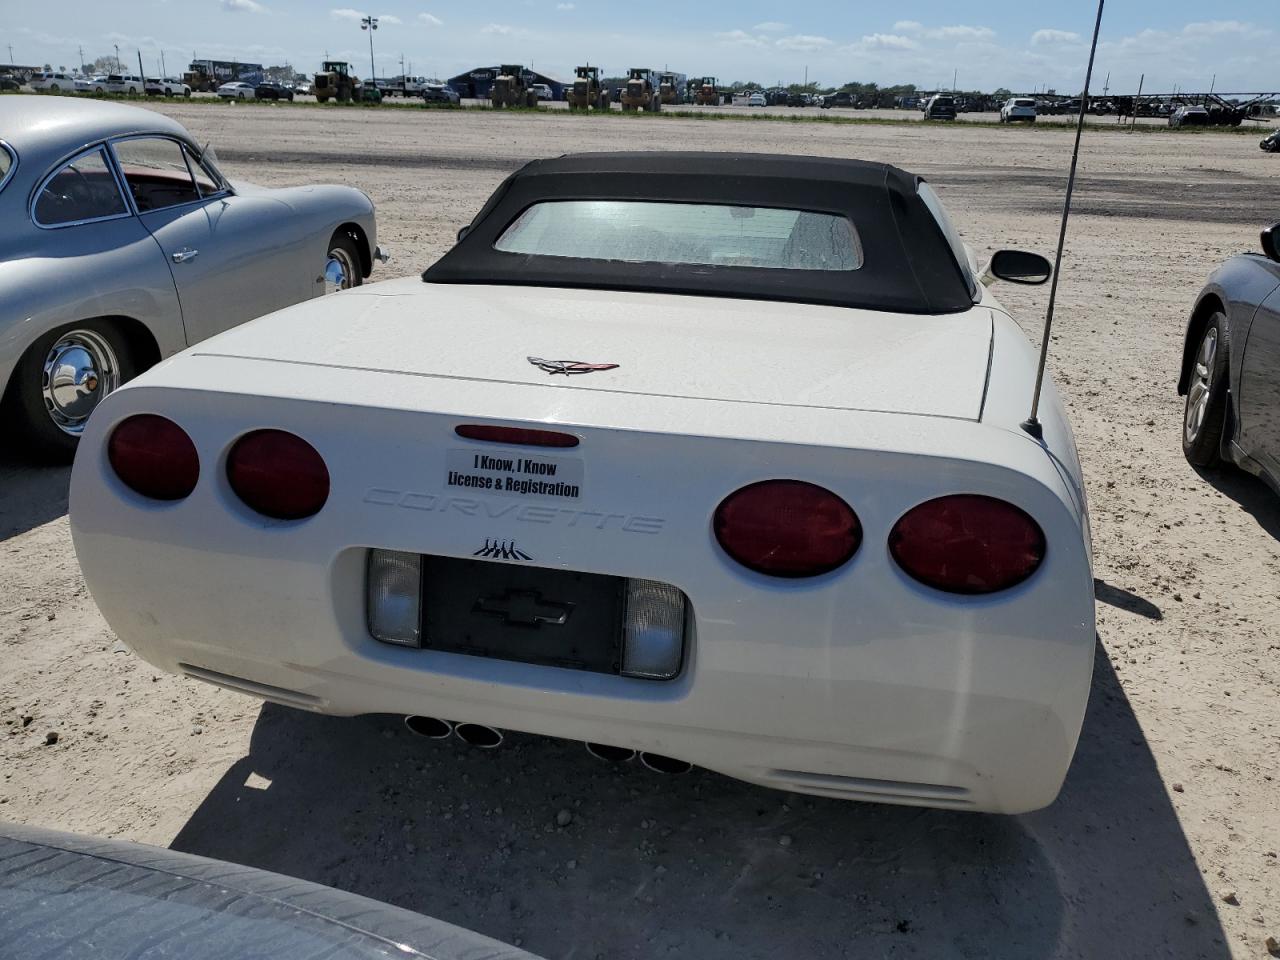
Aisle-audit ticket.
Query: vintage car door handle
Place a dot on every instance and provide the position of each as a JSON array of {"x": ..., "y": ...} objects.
[{"x": 183, "y": 255}]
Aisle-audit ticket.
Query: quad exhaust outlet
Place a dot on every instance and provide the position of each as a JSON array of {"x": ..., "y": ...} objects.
[
  {"x": 478, "y": 735},
  {"x": 660, "y": 764},
  {"x": 602, "y": 751},
  {"x": 432, "y": 728}
]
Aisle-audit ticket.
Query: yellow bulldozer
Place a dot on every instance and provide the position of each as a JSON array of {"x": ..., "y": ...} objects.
[
  {"x": 639, "y": 93},
  {"x": 335, "y": 81},
  {"x": 707, "y": 93},
  {"x": 668, "y": 89},
  {"x": 510, "y": 88},
  {"x": 586, "y": 91}
]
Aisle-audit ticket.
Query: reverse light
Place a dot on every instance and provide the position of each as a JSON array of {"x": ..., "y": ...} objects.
[
  {"x": 153, "y": 456},
  {"x": 787, "y": 528},
  {"x": 653, "y": 630},
  {"x": 515, "y": 436},
  {"x": 968, "y": 544},
  {"x": 394, "y": 603},
  {"x": 278, "y": 474}
]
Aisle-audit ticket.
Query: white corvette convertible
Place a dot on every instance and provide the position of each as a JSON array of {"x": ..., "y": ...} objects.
[{"x": 711, "y": 458}]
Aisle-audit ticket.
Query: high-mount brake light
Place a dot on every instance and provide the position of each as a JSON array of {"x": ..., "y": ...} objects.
[
  {"x": 787, "y": 528},
  {"x": 967, "y": 543},
  {"x": 515, "y": 436},
  {"x": 278, "y": 474},
  {"x": 154, "y": 457}
]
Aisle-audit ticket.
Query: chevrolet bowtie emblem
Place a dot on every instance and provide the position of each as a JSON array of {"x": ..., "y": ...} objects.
[{"x": 568, "y": 367}]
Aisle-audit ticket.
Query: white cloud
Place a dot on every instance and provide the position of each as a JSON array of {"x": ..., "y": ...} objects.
[
  {"x": 429, "y": 20},
  {"x": 1218, "y": 27},
  {"x": 770, "y": 26},
  {"x": 346, "y": 13},
  {"x": 388, "y": 18},
  {"x": 962, "y": 32},
  {"x": 741, "y": 38},
  {"x": 908, "y": 26},
  {"x": 804, "y": 43},
  {"x": 888, "y": 41},
  {"x": 565, "y": 6},
  {"x": 243, "y": 6},
  {"x": 497, "y": 29},
  {"x": 1042, "y": 37}
]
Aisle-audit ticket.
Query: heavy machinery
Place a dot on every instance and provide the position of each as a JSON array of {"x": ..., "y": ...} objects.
[
  {"x": 639, "y": 93},
  {"x": 707, "y": 92},
  {"x": 336, "y": 81},
  {"x": 586, "y": 91},
  {"x": 668, "y": 89},
  {"x": 511, "y": 89}
]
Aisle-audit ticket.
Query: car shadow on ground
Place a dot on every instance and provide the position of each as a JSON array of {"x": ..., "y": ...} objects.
[
  {"x": 702, "y": 866},
  {"x": 1257, "y": 499},
  {"x": 31, "y": 494}
]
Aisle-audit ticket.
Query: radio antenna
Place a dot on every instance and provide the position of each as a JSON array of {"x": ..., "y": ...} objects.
[{"x": 1032, "y": 424}]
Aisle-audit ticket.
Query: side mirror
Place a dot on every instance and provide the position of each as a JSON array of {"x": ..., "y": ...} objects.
[
  {"x": 463, "y": 231},
  {"x": 1017, "y": 266},
  {"x": 1271, "y": 242}
]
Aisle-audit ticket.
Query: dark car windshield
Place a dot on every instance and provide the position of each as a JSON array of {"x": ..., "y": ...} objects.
[{"x": 685, "y": 233}]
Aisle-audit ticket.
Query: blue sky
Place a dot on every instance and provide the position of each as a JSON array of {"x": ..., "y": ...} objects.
[{"x": 1023, "y": 46}]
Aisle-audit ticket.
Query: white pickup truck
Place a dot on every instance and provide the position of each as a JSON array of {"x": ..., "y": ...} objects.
[{"x": 402, "y": 86}]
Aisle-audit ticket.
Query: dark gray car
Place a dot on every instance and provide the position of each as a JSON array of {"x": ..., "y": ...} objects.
[
  {"x": 66, "y": 897},
  {"x": 1231, "y": 365}
]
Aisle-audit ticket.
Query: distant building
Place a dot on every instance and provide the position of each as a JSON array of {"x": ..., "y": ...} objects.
[{"x": 475, "y": 84}]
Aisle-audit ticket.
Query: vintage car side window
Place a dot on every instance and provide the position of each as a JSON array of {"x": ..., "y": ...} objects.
[
  {"x": 156, "y": 172},
  {"x": 7, "y": 163},
  {"x": 83, "y": 188},
  {"x": 711, "y": 234},
  {"x": 207, "y": 182}
]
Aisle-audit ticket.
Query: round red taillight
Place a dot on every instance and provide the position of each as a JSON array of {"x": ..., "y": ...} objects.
[
  {"x": 153, "y": 456},
  {"x": 278, "y": 474},
  {"x": 967, "y": 543},
  {"x": 787, "y": 528}
]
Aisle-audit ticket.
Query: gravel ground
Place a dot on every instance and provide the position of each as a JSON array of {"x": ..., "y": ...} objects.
[{"x": 1172, "y": 802}]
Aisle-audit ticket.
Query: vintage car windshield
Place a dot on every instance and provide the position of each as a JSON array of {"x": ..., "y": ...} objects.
[{"x": 685, "y": 233}]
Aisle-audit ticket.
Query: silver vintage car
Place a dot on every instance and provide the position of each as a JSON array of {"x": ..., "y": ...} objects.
[{"x": 122, "y": 243}]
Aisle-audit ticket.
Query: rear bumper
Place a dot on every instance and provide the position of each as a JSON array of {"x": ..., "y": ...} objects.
[{"x": 859, "y": 684}]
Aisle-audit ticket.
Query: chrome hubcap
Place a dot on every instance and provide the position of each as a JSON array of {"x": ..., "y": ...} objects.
[
  {"x": 338, "y": 271},
  {"x": 1201, "y": 385},
  {"x": 80, "y": 369}
]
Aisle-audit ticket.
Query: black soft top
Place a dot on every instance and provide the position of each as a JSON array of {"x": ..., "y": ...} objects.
[{"x": 908, "y": 265}]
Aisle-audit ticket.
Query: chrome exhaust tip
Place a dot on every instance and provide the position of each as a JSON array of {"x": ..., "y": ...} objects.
[
  {"x": 430, "y": 727},
  {"x": 660, "y": 764},
  {"x": 602, "y": 751},
  {"x": 478, "y": 735}
]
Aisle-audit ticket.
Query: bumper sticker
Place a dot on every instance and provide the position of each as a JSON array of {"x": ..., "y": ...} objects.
[{"x": 515, "y": 474}]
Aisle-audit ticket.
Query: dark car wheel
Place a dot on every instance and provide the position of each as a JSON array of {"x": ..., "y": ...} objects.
[
  {"x": 60, "y": 381},
  {"x": 1206, "y": 407}
]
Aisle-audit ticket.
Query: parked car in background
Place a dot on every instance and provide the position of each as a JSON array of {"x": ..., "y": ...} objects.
[
  {"x": 237, "y": 90},
  {"x": 543, "y": 91},
  {"x": 9, "y": 82},
  {"x": 166, "y": 87},
  {"x": 1189, "y": 116},
  {"x": 756, "y": 100},
  {"x": 270, "y": 90},
  {"x": 125, "y": 84},
  {"x": 1230, "y": 372},
  {"x": 941, "y": 106},
  {"x": 124, "y": 243},
  {"x": 52, "y": 82},
  {"x": 301, "y": 88},
  {"x": 440, "y": 93},
  {"x": 448, "y": 496},
  {"x": 1271, "y": 144},
  {"x": 841, "y": 98},
  {"x": 1018, "y": 109},
  {"x": 798, "y": 100},
  {"x": 69, "y": 897}
]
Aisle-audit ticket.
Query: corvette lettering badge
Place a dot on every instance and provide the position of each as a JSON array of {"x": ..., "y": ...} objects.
[{"x": 568, "y": 367}]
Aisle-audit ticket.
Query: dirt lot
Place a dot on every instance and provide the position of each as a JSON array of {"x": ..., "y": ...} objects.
[{"x": 1173, "y": 799}]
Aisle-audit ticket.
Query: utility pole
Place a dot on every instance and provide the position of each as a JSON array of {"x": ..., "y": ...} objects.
[
  {"x": 117, "y": 46},
  {"x": 955, "y": 74},
  {"x": 141, "y": 73},
  {"x": 164, "y": 71},
  {"x": 404, "y": 80},
  {"x": 1134, "y": 119},
  {"x": 1213, "y": 83},
  {"x": 370, "y": 23},
  {"x": 81, "y": 59},
  {"x": 1106, "y": 84}
]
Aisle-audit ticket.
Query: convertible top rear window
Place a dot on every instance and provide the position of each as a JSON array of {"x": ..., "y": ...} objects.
[
  {"x": 820, "y": 230},
  {"x": 686, "y": 233}
]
